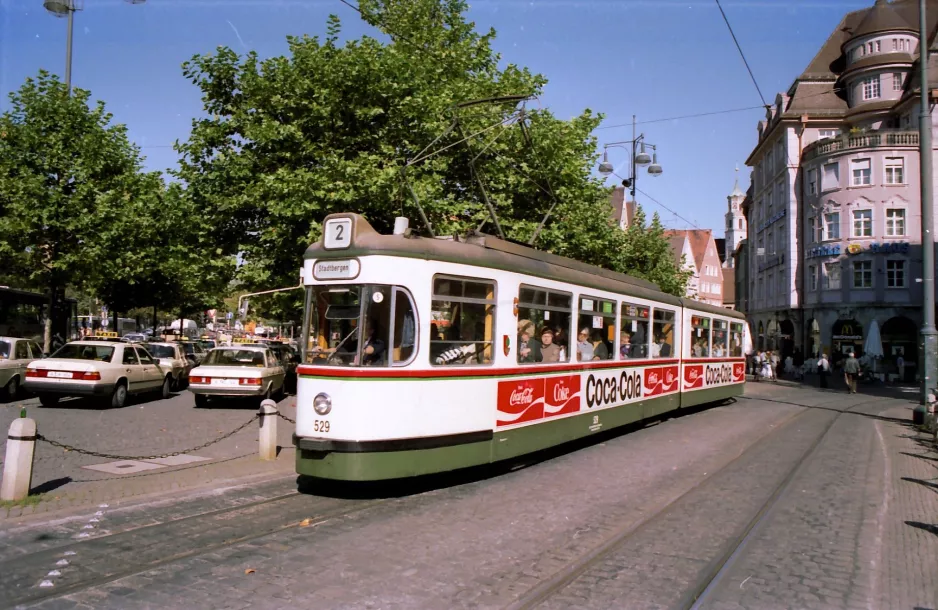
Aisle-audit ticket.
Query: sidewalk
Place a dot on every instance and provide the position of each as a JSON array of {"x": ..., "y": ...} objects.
[
  {"x": 835, "y": 381},
  {"x": 63, "y": 481}
]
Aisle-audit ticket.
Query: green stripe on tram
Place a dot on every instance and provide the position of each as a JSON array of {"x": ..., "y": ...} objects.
[{"x": 506, "y": 444}]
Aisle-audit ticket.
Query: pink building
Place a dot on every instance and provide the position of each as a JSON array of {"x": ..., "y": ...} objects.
[
  {"x": 834, "y": 239},
  {"x": 697, "y": 249}
]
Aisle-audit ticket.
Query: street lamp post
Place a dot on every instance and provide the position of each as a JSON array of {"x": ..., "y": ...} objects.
[
  {"x": 67, "y": 8},
  {"x": 638, "y": 158},
  {"x": 929, "y": 333}
]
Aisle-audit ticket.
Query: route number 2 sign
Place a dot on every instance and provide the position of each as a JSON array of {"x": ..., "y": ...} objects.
[{"x": 338, "y": 233}]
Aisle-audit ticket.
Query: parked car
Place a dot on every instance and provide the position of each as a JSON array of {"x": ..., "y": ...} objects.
[
  {"x": 240, "y": 370},
  {"x": 172, "y": 358},
  {"x": 191, "y": 348},
  {"x": 15, "y": 355},
  {"x": 289, "y": 359},
  {"x": 106, "y": 369}
]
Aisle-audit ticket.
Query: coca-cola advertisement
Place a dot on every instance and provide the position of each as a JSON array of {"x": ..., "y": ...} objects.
[
  {"x": 661, "y": 380},
  {"x": 693, "y": 376},
  {"x": 562, "y": 395},
  {"x": 739, "y": 372},
  {"x": 520, "y": 401}
]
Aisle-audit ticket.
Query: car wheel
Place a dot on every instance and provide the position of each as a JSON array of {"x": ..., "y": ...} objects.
[
  {"x": 48, "y": 401},
  {"x": 201, "y": 401},
  {"x": 119, "y": 397},
  {"x": 166, "y": 389},
  {"x": 13, "y": 388}
]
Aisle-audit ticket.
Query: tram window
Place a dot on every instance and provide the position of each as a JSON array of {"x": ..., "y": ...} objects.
[
  {"x": 350, "y": 326},
  {"x": 543, "y": 325},
  {"x": 404, "y": 340},
  {"x": 736, "y": 340},
  {"x": 663, "y": 340},
  {"x": 462, "y": 321},
  {"x": 633, "y": 331},
  {"x": 596, "y": 331},
  {"x": 720, "y": 348},
  {"x": 699, "y": 343}
]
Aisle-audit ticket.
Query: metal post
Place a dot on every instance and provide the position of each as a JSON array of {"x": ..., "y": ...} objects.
[
  {"x": 929, "y": 333},
  {"x": 634, "y": 144},
  {"x": 68, "y": 47}
]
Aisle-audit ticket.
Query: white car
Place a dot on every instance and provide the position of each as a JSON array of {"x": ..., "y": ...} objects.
[
  {"x": 239, "y": 370},
  {"x": 15, "y": 355},
  {"x": 109, "y": 369},
  {"x": 172, "y": 358}
]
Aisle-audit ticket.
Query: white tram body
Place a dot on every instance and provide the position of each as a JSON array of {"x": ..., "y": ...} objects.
[{"x": 424, "y": 355}]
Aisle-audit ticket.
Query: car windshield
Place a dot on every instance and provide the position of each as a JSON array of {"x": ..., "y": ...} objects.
[
  {"x": 207, "y": 344},
  {"x": 161, "y": 351},
  {"x": 188, "y": 348},
  {"x": 5, "y": 347},
  {"x": 75, "y": 351},
  {"x": 235, "y": 357}
]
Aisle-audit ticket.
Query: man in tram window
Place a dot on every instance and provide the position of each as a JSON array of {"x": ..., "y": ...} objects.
[
  {"x": 529, "y": 349},
  {"x": 550, "y": 351},
  {"x": 374, "y": 349},
  {"x": 664, "y": 348},
  {"x": 625, "y": 345},
  {"x": 584, "y": 348},
  {"x": 600, "y": 350}
]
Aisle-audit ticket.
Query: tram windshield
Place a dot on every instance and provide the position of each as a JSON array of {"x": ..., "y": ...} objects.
[{"x": 351, "y": 326}]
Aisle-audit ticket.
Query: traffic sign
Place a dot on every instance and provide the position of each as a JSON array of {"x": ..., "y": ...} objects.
[{"x": 229, "y": 316}]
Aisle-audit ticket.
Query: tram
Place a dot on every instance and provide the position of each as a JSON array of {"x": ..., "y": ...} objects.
[{"x": 422, "y": 355}]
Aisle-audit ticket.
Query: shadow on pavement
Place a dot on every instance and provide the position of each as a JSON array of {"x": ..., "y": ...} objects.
[
  {"x": 50, "y": 485},
  {"x": 928, "y": 527},
  {"x": 929, "y": 484}
]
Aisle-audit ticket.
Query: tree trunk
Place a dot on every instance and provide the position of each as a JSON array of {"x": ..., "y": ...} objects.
[
  {"x": 154, "y": 320},
  {"x": 114, "y": 322},
  {"x": 47, "y": 331}
]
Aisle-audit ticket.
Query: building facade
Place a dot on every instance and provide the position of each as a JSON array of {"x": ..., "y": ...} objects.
[
  {"x": 697, "y": 249},
  {"x": 835, "y": 232}
]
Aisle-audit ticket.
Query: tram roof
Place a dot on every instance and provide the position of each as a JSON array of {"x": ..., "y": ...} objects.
[{"x": 494, "y": 253}]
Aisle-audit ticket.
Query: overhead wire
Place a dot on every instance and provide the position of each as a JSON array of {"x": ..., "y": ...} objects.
[
  {"x": 741, "y": 54},
  {"x": 691, "y": 223}
]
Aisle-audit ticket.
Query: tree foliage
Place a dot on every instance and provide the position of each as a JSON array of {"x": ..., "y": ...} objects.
[
  {"x": 77, "y": 210},
  {"x": 331, "y": 127}
]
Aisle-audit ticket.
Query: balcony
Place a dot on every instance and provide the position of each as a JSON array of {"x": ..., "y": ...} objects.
[{"x": 873, "y": 139}]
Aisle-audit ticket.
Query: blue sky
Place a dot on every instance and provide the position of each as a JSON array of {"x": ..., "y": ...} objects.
[{"x": 653, "y": 58}]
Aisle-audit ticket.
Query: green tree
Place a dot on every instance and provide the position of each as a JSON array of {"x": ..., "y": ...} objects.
[
  {"x": 67, "y": 179},
  {"x": 331, "y": 127}
]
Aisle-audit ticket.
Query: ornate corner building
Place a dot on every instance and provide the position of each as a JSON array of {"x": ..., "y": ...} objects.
[{"x": 834, "y": 206}]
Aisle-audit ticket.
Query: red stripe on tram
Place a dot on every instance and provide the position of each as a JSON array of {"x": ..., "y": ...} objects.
[{"x": 461, "y": 372}]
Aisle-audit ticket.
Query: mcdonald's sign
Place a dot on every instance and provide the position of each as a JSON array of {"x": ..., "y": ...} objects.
[{"x": 847, "y": 330}]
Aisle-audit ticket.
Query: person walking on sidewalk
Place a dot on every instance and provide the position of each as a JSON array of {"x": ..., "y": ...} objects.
[
  {"x": 851, "y": 371},
  {"x": 900, "y": 364},
  {"x": 823, "y": 369}
]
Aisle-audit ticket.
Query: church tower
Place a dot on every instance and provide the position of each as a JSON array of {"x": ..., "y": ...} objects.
[{"x": 736, "y": 229}]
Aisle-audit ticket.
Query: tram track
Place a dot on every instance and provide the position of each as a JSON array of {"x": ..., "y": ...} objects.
[
  {"x": 99, "y": 560},
  {"x": 553, "y": 588}
]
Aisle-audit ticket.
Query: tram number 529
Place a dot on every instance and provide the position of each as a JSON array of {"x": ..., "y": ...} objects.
[{"x": 321, "y": 425}]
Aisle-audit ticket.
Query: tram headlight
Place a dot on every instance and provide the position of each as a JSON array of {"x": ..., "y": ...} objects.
[{"x": 322, "y": 404}]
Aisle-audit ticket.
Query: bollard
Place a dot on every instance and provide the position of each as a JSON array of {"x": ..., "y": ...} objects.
[
  {"x": 268, "y": 438},
  {"x": 18, "y": 467}
]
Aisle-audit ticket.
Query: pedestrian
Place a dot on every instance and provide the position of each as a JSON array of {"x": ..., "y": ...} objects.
[
  {"x": 900, "y": 364},
  {"x": 851, "y": 371},
  {"x": 823, "y": 369}
]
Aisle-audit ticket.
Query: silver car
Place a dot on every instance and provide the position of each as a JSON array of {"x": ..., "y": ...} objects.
[
  {"x": 107, "y": 369},
  {"x": 15, "y": 355},
  {"x": 239, "y": 370}
]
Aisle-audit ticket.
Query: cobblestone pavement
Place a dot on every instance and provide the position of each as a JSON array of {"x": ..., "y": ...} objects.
[
  {"x": 638, "y": 520},
  {"x": 146, "y": 426}
]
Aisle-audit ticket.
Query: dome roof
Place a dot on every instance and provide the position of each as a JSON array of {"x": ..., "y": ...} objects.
[{"x": 882, "y": 17}]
